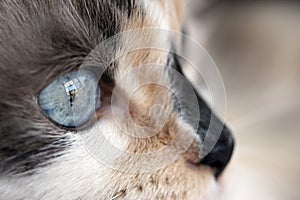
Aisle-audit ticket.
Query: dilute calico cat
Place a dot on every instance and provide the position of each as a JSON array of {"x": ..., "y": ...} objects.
[{"x": 89, "y": 109}]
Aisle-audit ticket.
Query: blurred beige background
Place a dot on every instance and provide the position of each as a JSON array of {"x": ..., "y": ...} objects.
[{"x": 256, "y": 47}]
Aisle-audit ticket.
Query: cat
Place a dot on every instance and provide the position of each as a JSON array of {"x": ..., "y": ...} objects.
[{"x": 88, "y": 111}]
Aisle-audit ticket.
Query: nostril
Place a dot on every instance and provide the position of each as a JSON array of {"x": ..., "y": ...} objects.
[
  {"x": 220, "y": 155},
  {"x": 218, "y": 166}
]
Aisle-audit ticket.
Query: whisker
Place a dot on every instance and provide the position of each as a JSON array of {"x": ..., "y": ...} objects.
[{"x": 119, "y": 194}]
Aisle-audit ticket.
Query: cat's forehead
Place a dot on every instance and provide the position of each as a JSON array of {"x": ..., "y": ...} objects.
[
  {"x": 51, "y": 37},
  {"x": 37, "y": 34}
]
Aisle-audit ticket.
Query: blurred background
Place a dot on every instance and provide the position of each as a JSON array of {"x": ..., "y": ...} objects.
[{"x": 256, "y": 46}]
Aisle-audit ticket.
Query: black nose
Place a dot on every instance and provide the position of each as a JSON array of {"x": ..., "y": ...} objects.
[{"x": 220, "y": 155}]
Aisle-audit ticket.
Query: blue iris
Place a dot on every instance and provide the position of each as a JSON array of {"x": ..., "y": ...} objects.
[{"x": 71, "y": 99}]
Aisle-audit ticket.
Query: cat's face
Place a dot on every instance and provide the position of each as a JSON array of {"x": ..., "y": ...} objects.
[{"x": 89, "y": 111}]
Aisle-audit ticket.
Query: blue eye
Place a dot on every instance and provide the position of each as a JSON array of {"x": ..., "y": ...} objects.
[{"x": 71, "y": 99}]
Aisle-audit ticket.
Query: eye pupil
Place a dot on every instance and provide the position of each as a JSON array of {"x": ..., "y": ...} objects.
[{"x": 71, "y": 90}]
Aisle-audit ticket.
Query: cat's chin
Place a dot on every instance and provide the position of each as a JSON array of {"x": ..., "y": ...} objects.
[
  {"x": 219, "y": 189},
  {"x": 213, "y": 192}
]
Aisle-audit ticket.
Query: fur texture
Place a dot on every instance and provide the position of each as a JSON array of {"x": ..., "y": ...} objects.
[{"x": 39, "y": 41}]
